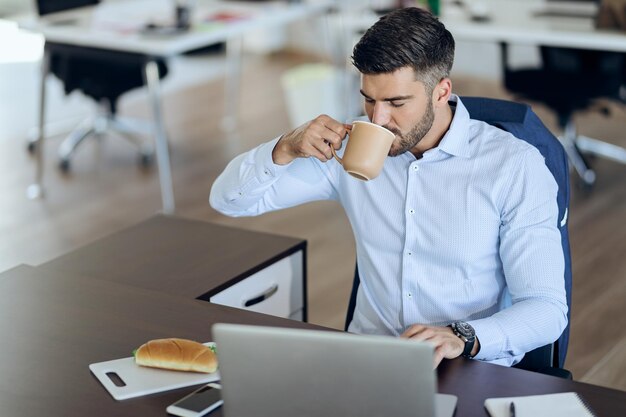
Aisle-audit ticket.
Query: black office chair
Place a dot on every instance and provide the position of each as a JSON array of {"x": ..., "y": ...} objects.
[
  {"x": 523, "y": 123},
  {"x": 104, "y": 76},
  {"x": 567, "y": 81}
]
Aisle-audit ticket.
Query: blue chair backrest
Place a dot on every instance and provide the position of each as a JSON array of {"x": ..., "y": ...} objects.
[{"x": 522, "y": 122}]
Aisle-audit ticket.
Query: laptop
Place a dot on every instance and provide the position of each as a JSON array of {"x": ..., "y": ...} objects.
[{"x": 278, "y": 372}]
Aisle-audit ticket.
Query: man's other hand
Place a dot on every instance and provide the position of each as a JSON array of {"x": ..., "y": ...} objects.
[
  {"x": 446, "y": 343},
  {"x": 312, "y": 139}
]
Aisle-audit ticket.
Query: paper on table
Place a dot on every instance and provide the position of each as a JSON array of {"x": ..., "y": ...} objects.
[
  {"x": 565, "y": 404},
  {"x": 132, "y": 15}
]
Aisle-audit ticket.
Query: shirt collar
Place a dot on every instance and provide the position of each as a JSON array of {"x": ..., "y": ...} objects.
[{"x": 456, "y": 140}]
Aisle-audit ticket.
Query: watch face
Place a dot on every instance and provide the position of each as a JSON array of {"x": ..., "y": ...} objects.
[{"x": 465, "y": 329}]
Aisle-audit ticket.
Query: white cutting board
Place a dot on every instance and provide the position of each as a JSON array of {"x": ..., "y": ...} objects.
[{"x": 141, "y": 380}]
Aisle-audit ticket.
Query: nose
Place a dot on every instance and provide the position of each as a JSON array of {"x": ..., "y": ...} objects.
[{"x": 381, "y": 115}]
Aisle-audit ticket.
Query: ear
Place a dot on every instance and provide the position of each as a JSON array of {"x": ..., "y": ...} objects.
[{"x": 442, "y": 92}]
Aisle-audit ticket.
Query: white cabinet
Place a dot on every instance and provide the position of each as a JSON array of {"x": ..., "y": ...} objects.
[{"x": 276, "y": 290}]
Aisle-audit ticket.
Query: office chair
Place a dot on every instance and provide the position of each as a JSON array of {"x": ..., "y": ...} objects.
[
  {"x": 103, "y": 75},
  {"x": 570, "y": 80},
  {"x": 523, "y": 123}
]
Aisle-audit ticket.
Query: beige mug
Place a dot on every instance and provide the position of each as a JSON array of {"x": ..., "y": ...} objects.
[{"x": 366, "y": 150}]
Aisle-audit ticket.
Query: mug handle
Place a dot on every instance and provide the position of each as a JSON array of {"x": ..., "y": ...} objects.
[{"x": 332, "y": 149}]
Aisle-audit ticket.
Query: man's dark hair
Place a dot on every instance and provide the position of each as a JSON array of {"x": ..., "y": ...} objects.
[{"x": 407, "y": 37}]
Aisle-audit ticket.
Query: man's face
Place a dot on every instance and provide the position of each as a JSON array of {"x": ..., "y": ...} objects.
[{"x": 401, "y": 104}]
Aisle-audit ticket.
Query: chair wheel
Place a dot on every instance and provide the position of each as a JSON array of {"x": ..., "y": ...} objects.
[
  {"x": 145, "y": 160},
  {"x": 585, "y": 187},
  {"x": 64, "y": 165}
]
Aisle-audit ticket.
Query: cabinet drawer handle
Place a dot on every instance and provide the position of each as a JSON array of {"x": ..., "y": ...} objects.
[{"x": 262, "y": 297}]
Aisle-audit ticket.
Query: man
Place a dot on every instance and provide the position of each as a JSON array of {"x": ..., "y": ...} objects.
[{"x": 457, "y": 239}]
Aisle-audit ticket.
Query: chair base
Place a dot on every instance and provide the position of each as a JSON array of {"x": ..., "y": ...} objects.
[
  {"x": 569, "y": 140},
  {"x": 98, "y": 126},
  {"x": 603, "y": 149},
  {"x": 577, "y": 145}
]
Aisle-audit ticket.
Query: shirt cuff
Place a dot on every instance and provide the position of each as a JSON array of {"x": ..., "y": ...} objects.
[
  {"x": 491, "y": 339},
  {"x": 266, "y": 169}
]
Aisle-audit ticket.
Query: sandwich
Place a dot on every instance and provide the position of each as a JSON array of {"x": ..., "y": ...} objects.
[{"x": 177, "y": 354}]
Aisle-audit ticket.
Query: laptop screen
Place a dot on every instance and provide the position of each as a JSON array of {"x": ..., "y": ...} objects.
[{"x": 45, "y": 7}]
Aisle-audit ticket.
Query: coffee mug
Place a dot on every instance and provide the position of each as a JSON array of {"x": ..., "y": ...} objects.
[{"x": 366, "y": 150}]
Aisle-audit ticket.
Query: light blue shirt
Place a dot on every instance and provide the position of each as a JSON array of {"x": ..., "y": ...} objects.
[{"x": 468, "y": 232}]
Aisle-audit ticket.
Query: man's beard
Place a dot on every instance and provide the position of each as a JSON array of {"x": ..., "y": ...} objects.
[{"x": 415, "y": 135}]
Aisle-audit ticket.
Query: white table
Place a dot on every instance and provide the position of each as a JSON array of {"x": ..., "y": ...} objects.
[
  {"x": 517, "y": 22},
  {"x": 115, "y": 26}
]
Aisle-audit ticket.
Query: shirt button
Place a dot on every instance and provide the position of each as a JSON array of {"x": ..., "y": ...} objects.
[
  {"x": 412, "y": 211},
  {"x": 409, "y": 253},
  {"x": 267, "y": 172},
  {"x": 409, "y": 295},
  {"x": 416, "y": 167}
]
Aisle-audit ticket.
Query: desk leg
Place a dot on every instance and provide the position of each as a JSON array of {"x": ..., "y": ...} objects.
[
  {"x": 151, "y": 74},
  {"x": 234, "y": 48},
  {"x": 35, "y": 190}
]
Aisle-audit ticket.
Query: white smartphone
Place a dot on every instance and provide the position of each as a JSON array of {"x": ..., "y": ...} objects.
[{"x": 198, "y": 403}]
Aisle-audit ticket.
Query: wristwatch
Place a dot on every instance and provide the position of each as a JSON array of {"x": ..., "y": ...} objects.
[{"x": 467, "y": 334}]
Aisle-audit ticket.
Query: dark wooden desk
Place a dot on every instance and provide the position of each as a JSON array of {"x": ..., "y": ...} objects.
[
  {"x": 474, "y": 381},
  {"x": 55, "y": 324},
  {"x": 191, "y": 258}
]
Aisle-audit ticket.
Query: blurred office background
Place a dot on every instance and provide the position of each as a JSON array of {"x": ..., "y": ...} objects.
[{"x": 106, "y": 188}]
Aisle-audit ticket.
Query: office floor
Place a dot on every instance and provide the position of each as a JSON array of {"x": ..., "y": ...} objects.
[{"x": 107, "y": 191}]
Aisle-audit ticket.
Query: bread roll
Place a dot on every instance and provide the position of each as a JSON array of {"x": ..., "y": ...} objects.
[{"x": 177, "y": 354}]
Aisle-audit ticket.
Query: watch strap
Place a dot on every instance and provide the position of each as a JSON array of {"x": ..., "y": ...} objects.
[
  {"x": 469, "y": 345},
  {"x": 469, "y": 341}
]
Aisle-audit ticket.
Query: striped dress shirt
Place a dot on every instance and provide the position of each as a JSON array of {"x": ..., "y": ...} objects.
[{"x": 467, "y": 232}]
